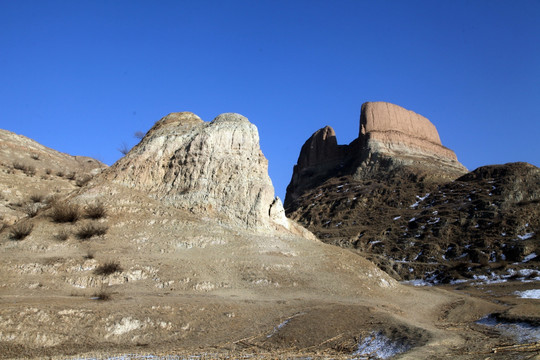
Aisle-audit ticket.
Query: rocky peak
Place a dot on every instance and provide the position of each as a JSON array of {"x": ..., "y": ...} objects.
[
  {"x": 213, "y": 168},
  {"x": 320, "y": 148},
  {"x": 391, "y": 139}
]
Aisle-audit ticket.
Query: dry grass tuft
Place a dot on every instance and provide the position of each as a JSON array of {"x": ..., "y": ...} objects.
[
  {"x": 108, "y": 268},
  {"x": 27, "y": 169},
  {"x": 89, "y": 230},
  {"x": 63, "y": 212},
  {"x": 101, "y": 295},
  {"x": 20, "y": 231},
  {"x": 83, "y": 181},
  {"x": 96, "y": 211},
  {"x": 62, "y": 235}
]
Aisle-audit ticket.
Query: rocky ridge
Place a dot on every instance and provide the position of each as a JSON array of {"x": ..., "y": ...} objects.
[
  {"x": 391, "y": 139},
  {"x": 214, "y": 168}
]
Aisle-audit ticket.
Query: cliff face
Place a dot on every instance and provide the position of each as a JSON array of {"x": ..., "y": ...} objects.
[
  {"x": 390, "y": 139},
  {"x": 214, "y": 168}
]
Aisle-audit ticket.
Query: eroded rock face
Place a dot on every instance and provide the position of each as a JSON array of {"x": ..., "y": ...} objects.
[
  {"x": 391, "y": 138},
  {"x": 214, "y": 168}
]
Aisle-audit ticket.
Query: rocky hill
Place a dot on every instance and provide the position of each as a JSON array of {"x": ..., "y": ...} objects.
[
  {"x": 30, "y": 171},
  {"x": 403, "y": 201},
  {"x": 181, "y": 248}
]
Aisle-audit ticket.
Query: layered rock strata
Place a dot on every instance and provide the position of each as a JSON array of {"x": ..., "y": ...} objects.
[
  {"x": 391, "y": 139},
  {"x": 213, "y": 168}
]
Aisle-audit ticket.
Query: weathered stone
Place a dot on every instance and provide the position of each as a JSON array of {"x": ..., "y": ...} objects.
[
  {"x": 214, "y": 168},
  {"x": 391, "y": 139}
]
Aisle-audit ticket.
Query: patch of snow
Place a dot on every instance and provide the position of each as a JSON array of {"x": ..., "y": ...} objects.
[
  {"x": 419, "y": 200},
  {"x": 413, "y": 219},
  {"x": 526, "y": 236},
  {"x": 529, "y": 294},
  {"x": 373, "y": 242},
  {"x": 433, "y": 221},
  {"x": 318, "y": 195},
  {"x": 522, "y": 332},
  {"x": 503, "y": 234},
  {"x": 378, "y": 346},
  {"x": 338, "y": 224},
  {"x": 529, "y": 257},
  {"x": 277, "y": 328},
  {"x": 339, "y": 186},
  {"x": 397, "y": 218},
  {"x": 417, "y": 256}
]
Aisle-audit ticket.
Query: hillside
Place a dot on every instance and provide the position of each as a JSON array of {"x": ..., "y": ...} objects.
[{"x": 181, "y": 248}]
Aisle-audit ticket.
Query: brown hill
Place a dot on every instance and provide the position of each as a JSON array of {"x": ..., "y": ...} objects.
[{"x": 406, "y": 216}]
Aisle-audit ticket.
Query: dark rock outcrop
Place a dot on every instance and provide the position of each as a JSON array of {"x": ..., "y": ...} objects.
[{"x": 391, "y": 139}]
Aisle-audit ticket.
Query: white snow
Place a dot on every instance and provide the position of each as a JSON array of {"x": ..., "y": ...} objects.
[
  {"x": 397, "y": 218},
  {"x": 378, "y": 346},
  {"x": 522, "y": 332},
  {"x": 419, "y": 200},
  {"x": 526, "y": 236},
  {"x": 529, "y": 294},
  {"x": 529, "y": 257},
  {"x": 413, "y": 219}
]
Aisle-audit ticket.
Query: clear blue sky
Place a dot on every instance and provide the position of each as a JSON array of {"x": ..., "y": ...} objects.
[{"x": 83, "y": 76}]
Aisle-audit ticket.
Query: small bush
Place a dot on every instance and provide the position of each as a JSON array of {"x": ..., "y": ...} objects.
[
  {"x": 59, "y": 174},
  {"x": 101, "y": 295},
  {"x": 62, "y": 235},
  {"x": 35, "y": 156},
  {"x": 89, "y": 230},
  {"x": 65, "y": 212},
  {"x": 108, "y": 268},
  {"x": 27, "y": 169},
  {"x": 88, "y": 256},
  {"x": 83, "y": 181},
  {"x": 20, "y": 231},
  {"x": 95, "y": 211},
  {"x": 71, "y": 176},
  {"x": 48, "y": 171},
  {"x": 37, "y": 198}
]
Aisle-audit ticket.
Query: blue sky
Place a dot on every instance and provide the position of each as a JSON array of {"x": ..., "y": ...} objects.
[{"x": 83, "y": 76}]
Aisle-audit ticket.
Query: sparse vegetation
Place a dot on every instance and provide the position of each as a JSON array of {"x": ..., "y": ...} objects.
[
  {"x": 138, "y": 135},
  {"x": 83, "y": 180},
  {"x": 89, "y": 256},
  {"x": 124, "y": 149},
  {"x": 60, "y": 173},
  {"x": 71, "y": 176},
  {"x": 48, "y": 171},
  {"x": 35, "y": 156},
  {"x": 37, "y": 198},
  {"x": 108, "y": 268},
  {"x": 96, "y": 211},
  {"x": 62, "y": 235},
  {"x": 102, "y": 295},
  {"x": 90, "y": 230},
  {"x": 20, "y": 231},
  {"x": 27, "y": 169},
  {"x": 63, "y": 212}
]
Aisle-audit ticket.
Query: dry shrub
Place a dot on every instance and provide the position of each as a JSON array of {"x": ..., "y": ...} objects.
[
  {"x": 101, "y": 295},
  {"x": 71, "y": 176},
  {"x": 20, "y": 231},
  {"x": 60, "y": 174},
  {"x": 63, "y": 212},
  {"x": 89, "y": 230},
  {"x": 62, "y": 235},
  {"x": 27, "y": 169},
  {"x": 108, "y": 268},
  {"x": 96, "y": 211},
  {"x": 37, "y": 198},
  {"x": 83, "y": 181}
]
